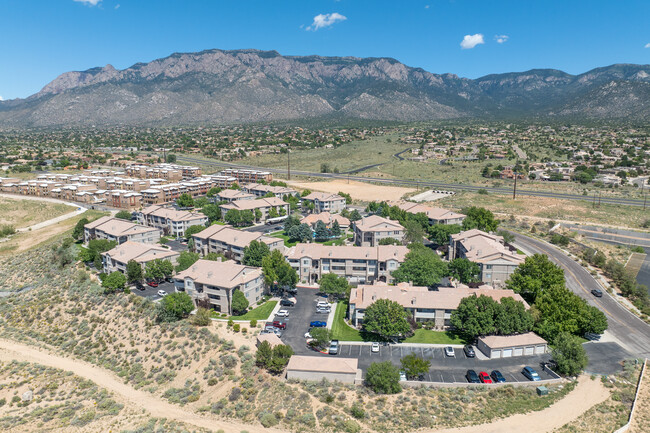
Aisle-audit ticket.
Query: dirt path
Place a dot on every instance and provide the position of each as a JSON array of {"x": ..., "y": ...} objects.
[
  {"x": 78, "y": 211},
  {"x": 587, "y": 393},
  {"x": 10, "y": 350}
]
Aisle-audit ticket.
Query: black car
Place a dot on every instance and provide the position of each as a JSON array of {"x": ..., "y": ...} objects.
[
  {"x": 472, "y": 377},
  {"x": 591, "y": 336},
  {"x": 469, "y": 351},
  {"x": 497, "y": 377},
  {"x": 597, "y": 293},
  {"x": 286, "y": 303}
]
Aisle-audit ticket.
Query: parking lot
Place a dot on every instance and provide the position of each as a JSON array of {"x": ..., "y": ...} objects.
[
  {"x": 152, "y": 292},
  {"x": 443, "y": 368}
]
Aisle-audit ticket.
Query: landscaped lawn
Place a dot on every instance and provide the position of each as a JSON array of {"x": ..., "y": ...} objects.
[
  {"x": 434, "y": 337},
  {"x": 281, "y": 235},
  {"x": 340, "y": 329},
  {"x": 333, "y": 242},
  {"x": 260, "y": 313}
]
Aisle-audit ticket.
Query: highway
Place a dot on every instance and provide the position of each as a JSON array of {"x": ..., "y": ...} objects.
[
  {"x": 413, "y": 183},
  {"x": 631, "y": 332}
]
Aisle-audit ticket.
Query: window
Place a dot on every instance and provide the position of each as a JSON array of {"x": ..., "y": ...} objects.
[
  {"x": 396, "y": 232},
  {"x": 305, "y": 261},
  {"x": 488, "y": 267}
]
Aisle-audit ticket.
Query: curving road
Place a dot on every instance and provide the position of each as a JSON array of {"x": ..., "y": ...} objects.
[
  {"x": 414, "y": 183},
  {"x": 630, "y": 331}
]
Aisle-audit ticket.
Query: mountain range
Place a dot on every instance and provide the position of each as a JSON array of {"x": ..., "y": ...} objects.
[{"x": 243, "y": 86}]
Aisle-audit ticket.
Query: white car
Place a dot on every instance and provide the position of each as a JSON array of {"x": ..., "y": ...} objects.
[
  {"x": 374, "y": 348},
  {"x": 283, "y": 313},
  {"x": 162, "y": 293},
  {"x": 449, "y": 351},
  {"x": 323, "y": 304},
  {"x": 307, "y": 335}
]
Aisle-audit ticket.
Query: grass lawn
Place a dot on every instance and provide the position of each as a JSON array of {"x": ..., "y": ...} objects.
[
  {"x": 333, "y": 242},
  {"x": 260, "y": 313},
  {"x": 281, "y": 235},
  {"x": 434, "y": 337},
  {"x": 340, "y": 329}
]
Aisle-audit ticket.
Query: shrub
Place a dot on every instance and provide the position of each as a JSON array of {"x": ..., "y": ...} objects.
[
  {"x": 253, "y": 323},
  {"x": 202, "y": 317},
  {"x": 230, "y": 323},
  {"x": 174, "y": 307},
  {"x": 268, "y": 420},
  {"x": 357, "y": 411},
  {"x": 234, "y": 394},
  {"x": 383, "y": 378},
  {"x": 235, "y": 327}
]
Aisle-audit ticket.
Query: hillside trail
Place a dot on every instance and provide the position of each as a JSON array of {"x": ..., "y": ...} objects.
[
  {"x": 586, "y": 394},
  {"x": 158, "y": 408}
]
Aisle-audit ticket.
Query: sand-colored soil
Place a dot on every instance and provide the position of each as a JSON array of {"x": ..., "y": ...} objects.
[
  {"x": 641, "y": 418},
  {"x": 357, "y": 190}
]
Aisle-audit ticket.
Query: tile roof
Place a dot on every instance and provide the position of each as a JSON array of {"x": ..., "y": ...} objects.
[
  {"x": 375, "y": 223},
  {"x": 254, "y": 204},
  {"x": 320, "y": 251},
  {"x": 323, "y": 196},
  {"x": 226, "y": 274},
  {"x": 483, "y": 247},
  {"x": 118, "y": 227},
  {"x": 139, "y": 252},
  {"x": 172, "y": 214},
  {"x": 435, "y": 213},
  {"x": 326, "y": 217},
  {"x": 501, "y": 341}
]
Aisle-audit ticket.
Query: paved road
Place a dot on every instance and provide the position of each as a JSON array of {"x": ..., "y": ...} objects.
[
  {"x": 414, "y": 183},
  {"x": 630, "y": 331}
]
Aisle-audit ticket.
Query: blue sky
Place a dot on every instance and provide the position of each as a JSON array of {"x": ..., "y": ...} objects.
[{"x": 41, "y": 39}]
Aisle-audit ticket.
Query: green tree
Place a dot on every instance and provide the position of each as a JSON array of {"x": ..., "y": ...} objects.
[
  {"x": 113, "y": 282},
  {"x": 386, "y": 318},
  {"x": 185, "y": 260},
  {"x": 202, "y": 317},
  {"x": 281, "y": 355},
  {"x": 422, "y": 266},
  {"x": 171, "y": 158},
  {"x": 335, "y": 230},
  {"x": 534, "y": 276},
  {"x": 413, "y": 232},
  {"x": 301, "y": 233},
  {"x": 247, "y": 217},
  {"x": 258, "y": 215},
  {"x": 291, "y": 221},
  {"x": 174, "y": 306},
  {"x": 383, "y": 378},
  {"x": 321, "y": 338},
  {"x": 78, "y": 232},
  {"x": 212, "y": 211},
  {"x": 239, "y": 302},
  {"x": 192, "y": 230},
  {"x": 414, "y": 366},
  {"x": 508, "y": 237},
  {"x": 264, "y": 355},
  {"x": 305, "y": 193},
  {"x": 389, "y": 241},
  {"x": 354, "y": 215},
  {"x": 185, "y": 200},
  {"x": 133, "y": 271},
  {"x": 347, "y": 197},
  {"x": 123, "y": 215},
  {"x": 213, "y": 191},
  {"x": 214, "y": 257},
  {"x": 152, "y": 271},
  {"x": 569, "y": 354},
  {"x": 479, "y": 218},
  {"x": 474, "y": 316},
  {"x": 511, "y": 317},
  {"x": 277, "y": 270},
  {"x": 439, "y": 233},
  {"x": 321, "y": 232},
  {"x": 254, "y": 253},
  {"x": 233, "y": 217},
  {"x": 334, "y": 285},
  {"x": 464, "y": 270}
]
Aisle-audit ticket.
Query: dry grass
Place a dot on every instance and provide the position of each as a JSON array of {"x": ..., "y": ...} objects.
[
  {"x": 641, "y": 420},
  {"x": 358, "y": 190},
  {"x": 25, "y": 213}
]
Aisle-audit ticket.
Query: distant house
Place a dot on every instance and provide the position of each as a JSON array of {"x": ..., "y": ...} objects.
[
  {"x": 214, "y": 282},
  {"x": 117, "y": 258},
  {"x": 327, "y": 218},
  {"x": 496, "y": 261},
  {"x": 325, "y": 202},
  {"x": 436, "y": 215},
  {"x": 119, "y": 230},
  {"x": 421, "y": 303},
  {"x": 370, "y": 230},
  {"x": 170, "y": 221},
  {"x": 231, "y": 242}
]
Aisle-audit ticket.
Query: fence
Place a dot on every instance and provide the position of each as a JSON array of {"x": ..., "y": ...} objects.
[{"x": 638, "y": 388}]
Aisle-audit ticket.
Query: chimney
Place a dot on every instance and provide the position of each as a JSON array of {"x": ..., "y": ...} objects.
[
  {"x": 413, "y": 301},
  {"x": 210, "y": 274}
]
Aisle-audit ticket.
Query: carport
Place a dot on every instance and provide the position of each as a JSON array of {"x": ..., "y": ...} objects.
[
  {"x": 317, "y": 368},
  {"x": 507, "y": 346}
]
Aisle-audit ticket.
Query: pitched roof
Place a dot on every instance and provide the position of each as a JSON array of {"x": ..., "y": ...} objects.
[
  {"x": 501, "y": 341},
  {"x": 233, "y": 194},
  {"x": 435, "y": 213},
  {"x": 447, "y": 298},
  {"x": 172, "y": 214},
  {"x": 213, "y": 229},
  {"x": 269, "y": 188},
  {"x": 375, "y": 223},
  {"x": 323, "y": 196},
  {"x": 326, "y": 217},
  {"x": 381, "y": 253},
  {"x": 254, "y": 204},
  {"x": 118, "y": 227},
  {"x": 139, "y": 252},
  {"x": 226, "y": 274},
  {"x": 272, "y": 339},
  {"x": 323, "y": 364},
  {"x": 483, "y": 247}
]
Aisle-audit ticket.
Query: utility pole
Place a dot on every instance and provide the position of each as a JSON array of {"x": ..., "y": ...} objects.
[
  {"x": 599, "y": 194},
  {"x": 593, "y": 204},
  {"x": 514, "y": 191},
  {"x": 288, "y": 163}
]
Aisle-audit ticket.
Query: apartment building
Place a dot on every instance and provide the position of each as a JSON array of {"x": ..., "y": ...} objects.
[
  {"x": 222, "y": 181},
  {"x": 231, "y": 242},
  {"x": 370, "y": 230},
  {"x": 230, "y": 195},
  {"x": 247, "y": 176},
  {"x": 356, "y": 264},
  {"x": 172, "y": 222},
  {"x": 160, "y": 171},
  {"x": 212, "y": 283},
  {"x": 325, "y": 202},
  {"x": 117, "y": 258},
  {"x": 260, "y": 190},
  {"x": 115, "y": 229},
  {"x": 263, "y": 204},
  {"x": 436, "y": 215},
  {"x": 327, "y": 218},
  {"x": 421, "y": 303},
  {"x": 497, "y": 262}
]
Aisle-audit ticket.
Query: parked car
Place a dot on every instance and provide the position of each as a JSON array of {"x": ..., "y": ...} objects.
[
  {"x": 287, "y": 303},
  {"x": 280, "y": 324},
  {"x": 321, "y": 310},
  {"x": 323, "y": 304},
  {"x": 317, "y": 324},
  {"x": 152, "y": 284},
  {"x": 449, "y": 351},
  {"x": 484, "y": 377},
  {"x": 497, "y": 377},
  {"x": 282, "y": 313},
  {"x": 308, "y": 334},
  {"x": 591, "y": 336},
  {"x": 469, "y": 351},
  {"x": 162, "y": 293},
  {"x": 597, "y": 293},
  {"x": 402, "y": 376},
  {"x": 530, "y": 373},
  {"x": 169, "y": 279},
  {"x": 334, "y": 347},
  {"x": 374, "y": 348},
  {"x": 472, "y": 377}
]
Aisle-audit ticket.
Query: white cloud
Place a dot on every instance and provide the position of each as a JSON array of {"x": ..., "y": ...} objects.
[
  {"x": 470, "y": 41},
  {"x": 426, "y": 6},
  {"x": 325, "y": 20},
  {"x": 1, "y": 98},
  {"x": 501, "y": 38},
  {"x": 89, "y": 2},
  {"x": 647, "y": 45}
]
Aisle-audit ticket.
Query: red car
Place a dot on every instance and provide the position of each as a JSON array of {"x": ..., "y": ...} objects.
[
  {"x": 152, "y": 284},
  {"x": 484, "y": 377},
  {"x": 279, "y": 324}
]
